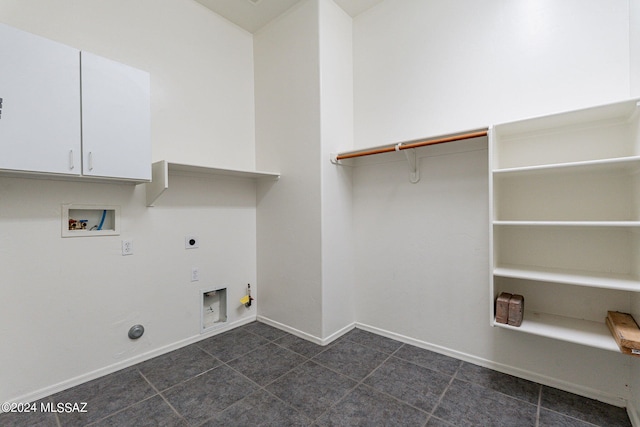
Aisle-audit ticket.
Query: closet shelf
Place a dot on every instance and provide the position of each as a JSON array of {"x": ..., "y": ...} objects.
[
  {"x": 598, "y": 115},
  {"x": 631, "y": 224},
  {"x": 628, "y": 164},
  {"x": 579, "y": 331},
  {"x": 161, "y": 170},
  {"x": 592, "y": 279}
]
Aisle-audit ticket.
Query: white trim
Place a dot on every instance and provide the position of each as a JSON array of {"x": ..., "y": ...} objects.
[
  {"x": 291, "y": 330},
  {"x": 89, "y": 376},
  {"x": 331, "y": 338},
  {"x": 634, "y": 414},
  {"x": 300, "y": 334}
]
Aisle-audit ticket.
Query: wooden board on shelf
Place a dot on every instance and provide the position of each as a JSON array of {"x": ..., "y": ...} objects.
[
  {"x": 624, "y": 329},
  {"x": 624, "y": 350}
]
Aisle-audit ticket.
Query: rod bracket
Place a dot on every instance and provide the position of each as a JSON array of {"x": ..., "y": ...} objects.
[
  {"x": 412, "y": 159},
  {"x": 334, "y": 159}
]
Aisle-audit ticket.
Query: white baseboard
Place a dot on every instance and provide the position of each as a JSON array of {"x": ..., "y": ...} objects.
[
  {"x": 304, "y": 335},
  {"x": 338, "y": 334},
  {"x": 80, "y": 379},
  {"x": 634, "y": 415},
  {"x": 289, "y": 329},
  {"x": 511, "y": 370}
]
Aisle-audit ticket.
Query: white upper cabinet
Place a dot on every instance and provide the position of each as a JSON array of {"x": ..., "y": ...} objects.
[
  {"x": 115, "y": 119},
  {"x": 71, "y": 113},
  {"x": 40, "y": 112}
]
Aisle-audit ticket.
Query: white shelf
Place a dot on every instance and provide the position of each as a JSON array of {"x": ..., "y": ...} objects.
[
  {"x": 629, "y": 164},
  {"x": 593, "y": 134},
  {"x": 570, "y": 277},
  {"x": 631, "y": 224},
  {"x": 161, "y": 170},
  {"x": 578, "y": 331}
]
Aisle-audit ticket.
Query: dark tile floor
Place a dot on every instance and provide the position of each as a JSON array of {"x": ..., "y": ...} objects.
[{"x": 257, "y": 375}]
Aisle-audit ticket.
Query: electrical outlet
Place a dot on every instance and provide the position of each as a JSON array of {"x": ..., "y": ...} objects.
[
  {"x": 127, "y": 247},
  {"x": 195, "y": 274},
  {"x": 191, "y": 242}
]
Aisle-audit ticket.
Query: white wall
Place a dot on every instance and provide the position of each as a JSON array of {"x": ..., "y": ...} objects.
[
  {"x": 429, "y": 68},
  {"x": 634, "y": 45},
  {"x": 67, "y": 304},
  {"x": 336, "y": 97},
  {"x": 304, "y": 111},
  {"x": 288, "y": 140}
]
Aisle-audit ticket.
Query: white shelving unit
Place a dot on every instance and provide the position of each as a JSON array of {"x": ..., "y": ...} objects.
[
  {"x": 161, "y": 170},
  {"x": 565, "y": 212}
]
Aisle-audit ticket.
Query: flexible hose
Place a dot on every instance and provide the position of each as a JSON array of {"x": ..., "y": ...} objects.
[{"x": 104, "y": 214}]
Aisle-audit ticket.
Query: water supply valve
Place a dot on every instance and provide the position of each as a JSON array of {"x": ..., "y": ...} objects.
[{"x": 246, "y": 300}]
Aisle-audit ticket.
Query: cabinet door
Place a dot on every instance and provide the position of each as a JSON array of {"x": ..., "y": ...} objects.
[
  {"x": 40, "y": 107},
  {"x": 116, "y": 137}
]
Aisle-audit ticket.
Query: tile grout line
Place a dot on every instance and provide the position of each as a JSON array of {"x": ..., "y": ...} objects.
[
  {"x": 494, "y": 390},
  {"x": 121, "y": 409},
  {"x": 263, "y": 387},
  {"x": 572, "y": 417},
  {"x": 361, "y": 383},
  {"x": 539, "y": 405},
  {"x": 93, "y": 423},
  {"x": 453, "y": 377},
  {"x": 348, "y": 391},
  {"x": 562, "y": 413},
  {"x": 308, "y": 359},
  {"x": 159, "y": 393},
  {"x": 58, "y": 422},
  {"x": 260, "y": 387}
]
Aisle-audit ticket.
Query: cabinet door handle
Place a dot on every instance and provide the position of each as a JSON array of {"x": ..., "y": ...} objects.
[
  {"x": 71, "y": 165},
  {"x": 90, "y": 161}
]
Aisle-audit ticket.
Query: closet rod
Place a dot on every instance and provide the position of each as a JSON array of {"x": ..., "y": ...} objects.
[{"x": 402, "y": 146}]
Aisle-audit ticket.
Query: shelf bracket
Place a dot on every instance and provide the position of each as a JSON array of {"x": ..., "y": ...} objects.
[
  {"x": 412, "y": 159},
  {"x": 159, "y": 181}
]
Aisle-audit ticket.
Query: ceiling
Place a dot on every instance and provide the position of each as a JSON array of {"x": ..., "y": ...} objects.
[{"x": 254, "y": 14}]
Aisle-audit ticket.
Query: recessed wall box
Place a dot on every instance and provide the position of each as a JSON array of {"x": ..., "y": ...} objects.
[
  {"x": 90, "y": 220},
  {"x": 213, "y": 308}
]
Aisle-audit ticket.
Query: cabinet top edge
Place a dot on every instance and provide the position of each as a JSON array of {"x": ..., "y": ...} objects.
[{"x": 620, "y": 111}]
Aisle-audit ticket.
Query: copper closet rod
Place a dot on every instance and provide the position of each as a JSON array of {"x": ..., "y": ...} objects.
[{"x": 412, "y": 145}]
